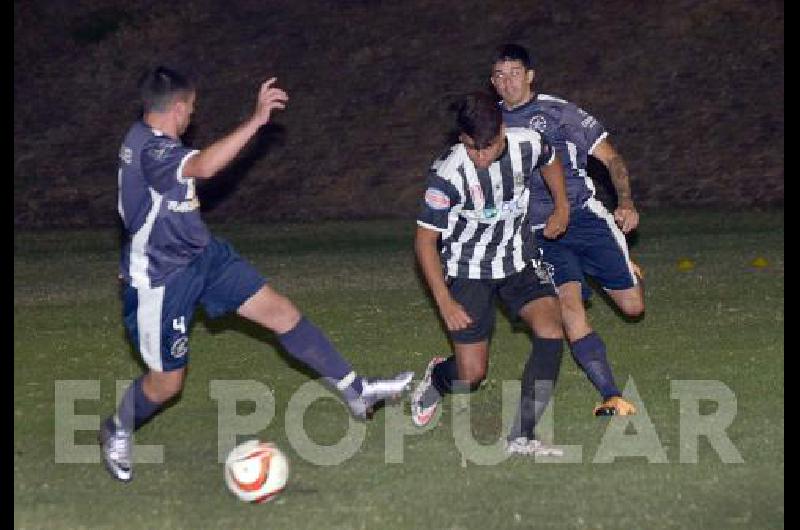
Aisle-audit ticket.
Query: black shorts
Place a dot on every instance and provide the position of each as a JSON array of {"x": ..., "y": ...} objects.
[{"x": 515, "y": 291}]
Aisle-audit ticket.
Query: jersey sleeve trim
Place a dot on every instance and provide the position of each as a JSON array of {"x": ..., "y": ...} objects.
[
  {"x": 552, "y": 156},
  {"x": 430, "y": 227},
  {"x": 596, "y": 142},
  {"x": 185, "y": 159}
]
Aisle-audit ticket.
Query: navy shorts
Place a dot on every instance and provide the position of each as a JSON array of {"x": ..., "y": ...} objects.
[
  {"x": 477, "y": 298},
  {"x": 592, "y": 246},
  {"x": 158, "y": 318}
]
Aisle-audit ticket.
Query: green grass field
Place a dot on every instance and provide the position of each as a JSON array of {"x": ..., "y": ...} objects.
[{"x": 722, "y": 321}]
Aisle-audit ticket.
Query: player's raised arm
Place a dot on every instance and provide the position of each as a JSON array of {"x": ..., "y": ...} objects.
[
  {"x": 209, "y": 161},
  {"x": 553, "y": 175},
  {"x": 626, "y": 216}
]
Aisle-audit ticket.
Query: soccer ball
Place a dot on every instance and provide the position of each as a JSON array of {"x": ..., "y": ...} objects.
[{"x": 256, "y": 471}]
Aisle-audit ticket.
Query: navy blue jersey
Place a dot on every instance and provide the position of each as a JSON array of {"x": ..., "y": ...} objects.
[
  {"x": 158, "y": 206},
  {"x": 481, "y": 212},
  {"x": 574, "y": 134}
]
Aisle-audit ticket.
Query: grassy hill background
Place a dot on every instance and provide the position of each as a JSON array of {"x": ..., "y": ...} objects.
[{"x": 693, "y": 94}]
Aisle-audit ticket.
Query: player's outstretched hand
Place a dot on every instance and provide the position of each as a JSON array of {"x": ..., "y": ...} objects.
[
  {"x": 270, "y": 98},
  {"x": 626, "y": 216}
]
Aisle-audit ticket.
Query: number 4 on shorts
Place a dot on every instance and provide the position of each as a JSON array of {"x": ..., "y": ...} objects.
[{"x": 179, "y": 324}]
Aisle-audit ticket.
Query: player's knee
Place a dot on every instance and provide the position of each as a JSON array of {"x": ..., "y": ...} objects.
[
  {"x": 550, "y": 329},
  {"x": 572, "y": 312},
  {"x": 544, "y": 318},
  {"x": 272, "y": 310},
  {"x": 169, "y": 390},
  {"x": 632, "y": 308},
  {"x": 284, "y": 311},
  {"x": 163, "y": 386}
]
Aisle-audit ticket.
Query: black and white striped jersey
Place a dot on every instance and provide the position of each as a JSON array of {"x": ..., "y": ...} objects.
[{"x": 481, "y": 212}]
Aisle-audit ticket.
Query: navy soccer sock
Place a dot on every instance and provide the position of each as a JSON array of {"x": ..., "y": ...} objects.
[
  {"x": 538, "y": 382},
  {"x": 590, "y": 354},
  {"x": 306, "y": 343},
  {"x": 135, "y": 408}
]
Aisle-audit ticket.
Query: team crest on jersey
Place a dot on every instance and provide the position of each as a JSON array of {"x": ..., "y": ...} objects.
[
  {"x": 180, "y": 347},
  {"x": 436, "y": 199},
  {"x": 538, "y": 123},
  {"x": 160, "y": 151},
  {"x": 519, "y": 180}
]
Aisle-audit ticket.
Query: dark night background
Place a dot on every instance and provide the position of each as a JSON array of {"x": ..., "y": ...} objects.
[{"x": 692, "y": 93}]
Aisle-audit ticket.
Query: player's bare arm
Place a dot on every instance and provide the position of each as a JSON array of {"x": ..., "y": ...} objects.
[
  {"x": 213, "y": 158},
  {"x": 625, "y": 215},
  {"x": 425, "y": 245},
  {"x": 553, "y": 175}
]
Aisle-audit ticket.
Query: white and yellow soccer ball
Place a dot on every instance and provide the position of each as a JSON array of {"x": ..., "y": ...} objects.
[{"x": 256, "y": 471}]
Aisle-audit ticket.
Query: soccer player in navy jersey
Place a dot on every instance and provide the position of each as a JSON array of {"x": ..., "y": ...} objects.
[
  {"x": 170, "y": 264},
  {"x": 473, "y": 246},
  {"x": 594, "y": 244}
]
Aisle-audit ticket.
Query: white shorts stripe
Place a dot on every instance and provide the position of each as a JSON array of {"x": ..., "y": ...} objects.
[
  {"x": 600, "y": 211},
  {"x": 138, "y": 259},
  {"x": 148, "y": 322}
]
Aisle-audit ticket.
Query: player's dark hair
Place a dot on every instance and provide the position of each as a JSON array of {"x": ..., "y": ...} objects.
[
  {"x": 159, "y": 87},
  {"x": 479, "y": 117},
  {"x": 513, "y": 52}
]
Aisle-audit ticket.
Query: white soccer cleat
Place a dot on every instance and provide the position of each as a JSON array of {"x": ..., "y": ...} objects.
[
  {"x": 116, "y": 446},
  {"x": 374, "y": 391},
  {"x": 420, "y": 415},
  {"x": 526, "y": 446}
]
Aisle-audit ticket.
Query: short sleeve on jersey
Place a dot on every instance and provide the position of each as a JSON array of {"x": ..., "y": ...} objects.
[
  {"x": 439, "y": 198},
  {"x": 546, "y": 153},
  {"x": 582, "y": 129},
  {"x": 162, "y": 159}
]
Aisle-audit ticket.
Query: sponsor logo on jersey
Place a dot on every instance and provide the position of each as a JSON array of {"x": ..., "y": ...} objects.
[
  {"x": 183, "y": 206},
  {"x": 161, "y": 151},
  {"x": 436, "y": 199},
  {"x": 538, "y": 123},
  {"x": 505, "y": 210}
]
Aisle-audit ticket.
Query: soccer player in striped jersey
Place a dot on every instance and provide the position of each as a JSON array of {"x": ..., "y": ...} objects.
[
  {"x": 473, "y": 246},
  {"x": 594, "y": 244},
  {"x": 171, "y": 264}
]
